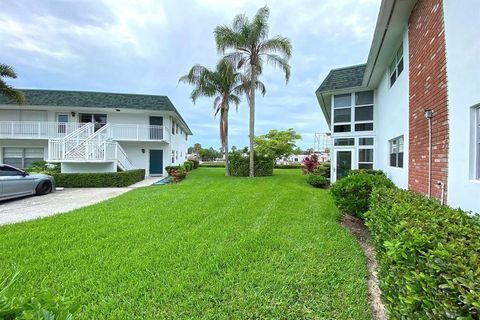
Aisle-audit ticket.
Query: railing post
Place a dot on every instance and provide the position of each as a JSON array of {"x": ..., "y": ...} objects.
[
  {"x": 104, "y": 150},
  {"x": 138, "y": 128}
]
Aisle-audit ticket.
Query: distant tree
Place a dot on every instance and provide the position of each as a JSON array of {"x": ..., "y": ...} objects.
[
  {"x": 277, "y": 143},
  {"x": 224, "y": 84},
  {"x": 234, "y": 148},
  {"x": 245, "y": 150},
  {"x": 197, "y": 147},
  {"x": 209, "y": 154},
  {"x": 308, "y": 151},
  {"x": 251, "y": 49},
  {"x": 190, "y": 150},
  {"x": 8, "y": 90}
]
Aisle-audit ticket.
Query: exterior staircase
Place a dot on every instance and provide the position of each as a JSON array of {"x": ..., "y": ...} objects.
[{"x": 87, "y": 145}]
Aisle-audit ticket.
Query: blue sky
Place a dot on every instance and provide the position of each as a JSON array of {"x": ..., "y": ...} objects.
[{"x": 114, "y": 46}]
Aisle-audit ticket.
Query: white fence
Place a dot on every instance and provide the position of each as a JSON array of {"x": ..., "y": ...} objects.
[{"x": 36, "y": 129}]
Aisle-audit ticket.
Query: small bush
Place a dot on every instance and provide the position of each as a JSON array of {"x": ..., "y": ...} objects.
[
  {"x": 317, "y": 181},
  {"x": 367, "y": 171},
  {"x": 323, "y": 169},
  {"x": 43, "y": 167},
  {"x": 99, "y": 179},
  {"x": 429, "y": 256},
  {"x": 352, "y": 193},
  {"x": 195, "y": 162},
  {"x": 310, "y": 163},
  {"x": 240, "y": 165},
  {"x": 178, "y": 173},
  {"x": 188, "y": 165}
]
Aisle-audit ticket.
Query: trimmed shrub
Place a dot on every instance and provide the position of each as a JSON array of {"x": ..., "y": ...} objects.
[
  {"x": 323, "y": 169},
  {"x": 429, "y": 256},
  {"x": 317, "y": 181},
  {"x": 310, "y": 163},
  {"x": 178, "y": 173},
  {"x": 42, "y": 166},
  {"x": 367, "y": 171},
  {"x": 188, "y": 165},
  {"x": 99, "y": 179},
  {"x": 352, "y": 193},
  {"x": 195, "y": 162},
  {"x": 240, "y": 165}
]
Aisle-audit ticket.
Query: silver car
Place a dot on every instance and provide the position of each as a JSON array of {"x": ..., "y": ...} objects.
[{"x": 18, "y": 183}]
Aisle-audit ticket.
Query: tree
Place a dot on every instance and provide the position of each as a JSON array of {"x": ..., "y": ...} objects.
[
  {"x": 277, "y": 144},
  {"x": 250, "y": 47},
  {"x": 7, "y": 90},
  {"x": 209, "y": 154},
  {"x": 223, "y": 83},
  {"x": 197, "y": 147}
]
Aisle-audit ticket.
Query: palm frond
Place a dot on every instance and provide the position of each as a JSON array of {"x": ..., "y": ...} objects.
[
  {"x": 7, "y": 71},
  {"x": 279, "y": 45},
  {"x": 279, "y": 62},
  {"x": 8, "y": 91}
]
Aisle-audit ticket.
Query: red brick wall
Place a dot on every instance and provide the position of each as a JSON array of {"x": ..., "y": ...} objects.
[{"x": 428, "y": 90}]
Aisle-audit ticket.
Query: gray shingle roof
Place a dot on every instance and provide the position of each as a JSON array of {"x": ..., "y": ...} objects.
[
  {"x": 96, "y": 100},
  {"x": 343, "y": 78}
]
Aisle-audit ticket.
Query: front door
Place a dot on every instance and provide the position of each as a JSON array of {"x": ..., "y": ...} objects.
[
  {"x": 343, "y": 163},
  {"x": 156, "y": 162},
  {"x": 156, "y": 128}
]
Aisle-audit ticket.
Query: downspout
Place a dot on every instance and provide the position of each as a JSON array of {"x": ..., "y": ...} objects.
[{"x": 428, "y": 115}]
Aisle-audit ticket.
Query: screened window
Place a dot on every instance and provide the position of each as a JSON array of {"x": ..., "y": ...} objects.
[
  {"x": 365, "y": 158},
  {"x": 98, "y": 120},
  {"x": 364, "y": 111},
  {"x": 396, "y": 152},
  {"x": 396, "y": 67},
  {"x": 342, "y": 112},
  {"x": 22, "y": 157},
  {"x": 345, "y": 142},
  {"x": 365, "y": 141}
]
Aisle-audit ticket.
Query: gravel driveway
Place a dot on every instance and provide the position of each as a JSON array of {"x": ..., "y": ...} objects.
[{"x": 33, "y": 207}]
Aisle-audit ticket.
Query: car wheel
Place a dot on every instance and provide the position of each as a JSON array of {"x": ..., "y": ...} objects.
[{"x": 43, "y": 187}]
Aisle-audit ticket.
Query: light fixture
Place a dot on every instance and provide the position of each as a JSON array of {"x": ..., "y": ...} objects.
[
  {"x": 117, "y": 109},
  {"x": 143, "y": 150},
  {"x": 73, "y": 113}
]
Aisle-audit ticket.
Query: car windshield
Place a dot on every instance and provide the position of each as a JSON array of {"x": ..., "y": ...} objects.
[{"x": 8, "y": 171}]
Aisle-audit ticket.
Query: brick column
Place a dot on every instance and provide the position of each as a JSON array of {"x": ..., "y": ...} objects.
[{"x": 428, "y": 90}]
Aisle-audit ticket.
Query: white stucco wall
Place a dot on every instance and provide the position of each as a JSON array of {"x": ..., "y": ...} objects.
[
  {"x": 75, "y": 167},
  {"x": 391, "y": 119},
  {"x": 463, "y": 73},
  {"x": 133, "y": 149}
]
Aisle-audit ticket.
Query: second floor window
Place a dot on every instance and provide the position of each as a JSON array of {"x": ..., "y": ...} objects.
[
  {"x": 396, "y": 152},
  {"x": 353, "y": 112},
  {"x": 396, "y": 67},
  {"x": 477, "y": 143}
]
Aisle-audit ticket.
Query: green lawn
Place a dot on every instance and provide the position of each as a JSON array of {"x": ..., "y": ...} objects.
[{"x": 209, "y": 247}]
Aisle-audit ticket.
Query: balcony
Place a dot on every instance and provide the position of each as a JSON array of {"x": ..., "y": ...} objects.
[{"x": 58, "y": 130}]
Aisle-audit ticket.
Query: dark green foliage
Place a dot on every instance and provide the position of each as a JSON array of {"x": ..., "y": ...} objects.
[
  {"x": 429, "y": 256},
  {"x": 352, "y": 193},
  {"x": 213, "y": 164},
  {"x": 45, "y": 304},
  {"x": 188, "y": 165},
  {"x": 240, "y": 166},
  {"x": 317, "y": 181},
  {"x": 99, "y": 179},
  {"x": 367, "y": 171},
  {"x": 323, "y": 169},
  {"x": 195, "y": 162},
  {"x": 289, "y": 166}
]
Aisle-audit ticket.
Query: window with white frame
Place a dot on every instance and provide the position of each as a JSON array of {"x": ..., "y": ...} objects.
[
  {"x": 173, "y": 156},
  {"x": 22, "y": 157},
  {"x": 396, "y": 67},
  {"x": 353, "y": 112},
  {"x": 365, "y": 152},
  {"x": 396, "y": 152}
]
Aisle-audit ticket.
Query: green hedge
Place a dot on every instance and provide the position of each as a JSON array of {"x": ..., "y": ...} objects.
[
  {"x": 352, "y": 192},
  {"x": 99, "y": 180},
  {"x": 288, "y": 166},
  {"x": 240, "y": 165},
  {"x": 429, "y": 256},
  {"x": 212, "y": 164},
  {"x": 317, "y": 181}
]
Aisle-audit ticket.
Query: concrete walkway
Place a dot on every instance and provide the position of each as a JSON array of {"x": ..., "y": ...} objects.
[{"x": 33, "y": 207}]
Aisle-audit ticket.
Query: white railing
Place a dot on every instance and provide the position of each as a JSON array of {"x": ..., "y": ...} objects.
[
  {"x": 80, "y": 131},
  {"x": 123, "y": 162},
  {"x": 36, "y": 129},
  {"x": 138, "y": 132}
]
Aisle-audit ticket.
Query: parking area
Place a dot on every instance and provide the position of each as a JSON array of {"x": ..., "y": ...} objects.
[{"x": 34, "y": 207}]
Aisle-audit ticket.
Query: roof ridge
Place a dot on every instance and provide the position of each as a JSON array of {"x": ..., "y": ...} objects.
[{"x": 349, "y": 67}]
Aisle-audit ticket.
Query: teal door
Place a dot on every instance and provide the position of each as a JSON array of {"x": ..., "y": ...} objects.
[{"x": 156, "y": 161}]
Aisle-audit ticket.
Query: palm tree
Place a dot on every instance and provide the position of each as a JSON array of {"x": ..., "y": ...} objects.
[
  {"x": 250, "y": 47},
  {"x": 7, "y": 90},
  {"x": 225, "y": 84}
]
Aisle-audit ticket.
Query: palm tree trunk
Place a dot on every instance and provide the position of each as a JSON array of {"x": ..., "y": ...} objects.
[
  {"x": 253, "y": 81},
  {"x": 225, "y": 131}
]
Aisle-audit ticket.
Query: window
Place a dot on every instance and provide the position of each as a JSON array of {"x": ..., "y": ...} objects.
[
  {"x": 99, "y": 120},
  {"x": 364, "y": 111},
  {"x": 365, "y": 141},
  {"x": 396, "y": 152},
  {"x": 22, "y": 157},
  {"x": 173, "y": 156},
  {"x": 344, "y": 142},
  {"x": 8, "y": 172},
  {"x": 353, "y": 111},
  {"x": 365, "y": 158},
  {"x": 173, "y": 127},
  {"x": 396, "y": 67}
]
